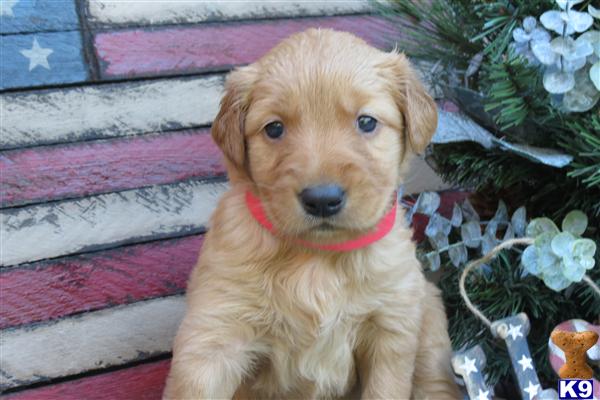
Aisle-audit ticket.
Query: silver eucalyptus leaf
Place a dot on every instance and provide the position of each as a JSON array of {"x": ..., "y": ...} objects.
[
  {"x": 439, "y": 241},
  {"x": 567, "y": 4},
  {"x": 521, "y": 36},
  {"x": 595, "y": 75},
  {"x": 509, "y": 233},
  {"x": 574, "y": 64},
  {"x": 529, "y": 23},
  {"x": 557, "y": 81},
  {"x": 594, "y": 12},
  {"x": 501, "y": 214},
  {"x": 570, "y": 49},
  {"x": 458, "y": 254},
  {"x": 437, "y": 224},
  {"x": 563, "y": 45},
  {"x": 540, "y": 35},
  {"x": 579, "y": 21},
  {"x": 470, "y": 233},
  {"x": 488, "y": 242},
  {"x": 433, "y": 260},
  {"x": 491, "y": 228},
  {"x": 553, "y": 20},
  {"x": 584, "y": 95},
  {"x": 518, "y": 221},
  {"x": 427, "y": 203},
  {"x": 469, "y": 212},
  {"x": 544, "y": 53},
  {"x": 457, "y": 216},
  {"x": 593, "y": 38}
]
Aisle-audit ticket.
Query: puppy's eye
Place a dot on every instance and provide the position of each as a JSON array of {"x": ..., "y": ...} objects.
[
  {"x": 366, "y": 123},
  {"x": 274, "y": 130}
]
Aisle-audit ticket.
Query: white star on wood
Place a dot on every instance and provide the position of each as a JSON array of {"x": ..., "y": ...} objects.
[
  {"x": 525, "y": 363},
  {"x": 6, "y": 7},
  {"x": 532, "y": 390},
  {"x": 468, "y": 366},
  {"x": 483, "y": 395},
  {"x": 514, "y": 331},
  {"x": 37, "y": 55}
]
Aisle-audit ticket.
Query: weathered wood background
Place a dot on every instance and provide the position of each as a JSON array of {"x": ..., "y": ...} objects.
[{"x": 109, "y": 175}]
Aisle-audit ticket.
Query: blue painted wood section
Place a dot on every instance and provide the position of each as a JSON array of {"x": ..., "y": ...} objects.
[
  {"x": 41, "y": 59},
  {"x": 469, "y": 365},
  {"x": 514, "y": 331},
  {"x": 28, "y": 16}
]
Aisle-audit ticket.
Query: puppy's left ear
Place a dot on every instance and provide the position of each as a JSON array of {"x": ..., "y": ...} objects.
[{"x": 416, "y": 105}]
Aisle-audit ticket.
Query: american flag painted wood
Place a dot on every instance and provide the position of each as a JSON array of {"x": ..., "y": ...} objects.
[
  {"x": 140, "y": 382},
  {"x": 56, "y": 229},
  {"x": 52, "y": 289},
  {"x": 26, "y": 16},
  {"x": 92, "y": 341},
  {"x": 144, "y": 13},
  {"x": 92, "y": 112},
  {"x": 108, "y": 175},
  {"x": 41, "y": 59},
  {"x": 146, "y": 52},
  {"x": 40, "y": 174}
]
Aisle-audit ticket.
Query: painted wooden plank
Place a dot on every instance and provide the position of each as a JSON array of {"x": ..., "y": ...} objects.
[
  {"x": 49, "y": 290},
  {"x": 92, "y": 341},
  {"x": 142, "y": 382},
  {"x": 41, "y": 59},
  {"x": 76, "y": 170},
  {"x": 191, "y": 49},
  {"x": 73, "y": 114},
  {"x": 21, "y": 16},
  {"x": 48, "y": 230},
  {"x": 143, "y": 13}
]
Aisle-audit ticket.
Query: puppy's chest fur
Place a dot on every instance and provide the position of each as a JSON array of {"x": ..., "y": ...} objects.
[{"x": 313, "y": 325}]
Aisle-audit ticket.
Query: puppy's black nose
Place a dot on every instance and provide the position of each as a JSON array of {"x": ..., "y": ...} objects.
[{"x": 323, "y": 200}]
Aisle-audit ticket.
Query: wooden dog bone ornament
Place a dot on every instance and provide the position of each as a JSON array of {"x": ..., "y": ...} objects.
[{"x": 575, "y": 345}]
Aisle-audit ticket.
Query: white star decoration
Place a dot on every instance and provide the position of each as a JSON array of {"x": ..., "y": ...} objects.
[
  {"x": 469, "y": 366},
  {"x": 532, "y": 390},
  {"x": 6, "y": 7},
  {"x": 525, "y": 363},
  {"x": 37, "y": 55},
  {"x": 483, "y": 395},
  {"x": 514, "y": 331}
]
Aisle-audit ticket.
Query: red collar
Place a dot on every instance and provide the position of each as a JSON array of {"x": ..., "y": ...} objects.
[{"x": 384, "y": 226}]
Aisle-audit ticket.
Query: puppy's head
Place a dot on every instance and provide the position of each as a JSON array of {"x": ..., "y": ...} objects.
[{"x": 322, "y": 126}]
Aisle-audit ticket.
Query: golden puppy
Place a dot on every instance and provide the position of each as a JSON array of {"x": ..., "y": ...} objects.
[{"x": 317, "y": 132}]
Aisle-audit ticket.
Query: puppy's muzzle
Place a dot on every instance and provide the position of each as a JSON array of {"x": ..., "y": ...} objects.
[{"x": 323, "y": 200}]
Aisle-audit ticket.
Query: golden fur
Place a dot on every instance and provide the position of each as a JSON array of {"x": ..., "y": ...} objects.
[{"x": 269, "y": 319}]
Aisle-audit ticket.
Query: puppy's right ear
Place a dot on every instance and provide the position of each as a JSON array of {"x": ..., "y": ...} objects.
[{"x": 228, "y": 127}]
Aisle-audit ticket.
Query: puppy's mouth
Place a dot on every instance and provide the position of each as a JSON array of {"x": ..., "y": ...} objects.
[{"x": 325, "y": 227}]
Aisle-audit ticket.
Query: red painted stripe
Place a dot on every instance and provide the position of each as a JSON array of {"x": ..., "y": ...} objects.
[
  {"x": 53, "y": 289},
  {"x": 176, "y": 50},
  {"x": 75, "y": 170},
  {"x": 142, "y": 382}
]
